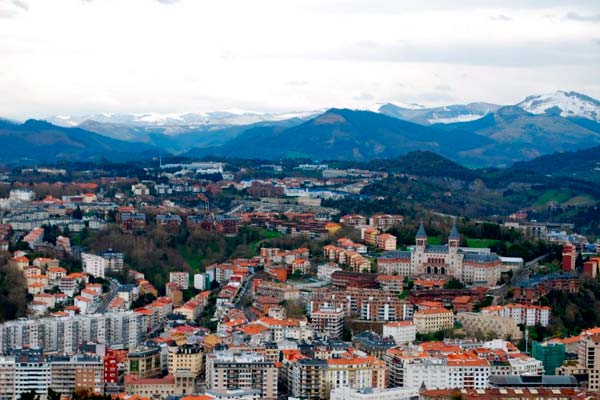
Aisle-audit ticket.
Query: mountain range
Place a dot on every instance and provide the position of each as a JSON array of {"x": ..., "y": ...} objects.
[{"x": 475, "y": 134}]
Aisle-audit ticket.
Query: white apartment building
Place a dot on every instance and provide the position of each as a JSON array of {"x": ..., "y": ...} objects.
[
  {"x": 93, "y": 265},
  {"x": 401, "y": 331},
  {"x": 181, "y": 279},
  {"x": 528, "y": 315}
]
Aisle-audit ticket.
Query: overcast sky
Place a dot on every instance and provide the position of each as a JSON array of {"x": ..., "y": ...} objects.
[{"x": 84, "y": 56}]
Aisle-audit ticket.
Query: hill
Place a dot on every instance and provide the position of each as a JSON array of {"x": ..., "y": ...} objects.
[
  {"x": 342, "y": 134},
  {"x": 39, "y": 141},
  {"x": 581, "y": 164}
]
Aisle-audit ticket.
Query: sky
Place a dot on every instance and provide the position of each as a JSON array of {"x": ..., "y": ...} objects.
[{"x": 74, "y": 57}]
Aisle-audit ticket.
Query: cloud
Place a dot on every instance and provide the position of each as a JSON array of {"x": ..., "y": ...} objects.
[
  {"x": 21, "y": 4},
  {"x": 12, "y": 8},
  {"x": 443, "y": 88},
  {"x": 364, "y": 96},
  {"x": 583, "y": 18},
  {"x": 500, "y": 17},
  {"x": 168, "y": 2},
  {"x": 297, "y": 83}
]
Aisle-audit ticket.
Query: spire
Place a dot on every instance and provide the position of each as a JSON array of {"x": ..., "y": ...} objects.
[
  {"x": 454, "y": 235},
  {"x": 421, "y": 234}
]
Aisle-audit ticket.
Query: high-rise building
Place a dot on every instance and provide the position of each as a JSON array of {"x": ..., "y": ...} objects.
[
  {"x": 552, "y": 355},
  {"x": 228, "y": 370},
  {"x": 328, "y": 321}
]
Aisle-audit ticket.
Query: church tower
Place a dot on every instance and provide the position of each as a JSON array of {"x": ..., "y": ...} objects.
[
  {"x": 421, "y": 238},
  {"x": 454, "y": 238}
]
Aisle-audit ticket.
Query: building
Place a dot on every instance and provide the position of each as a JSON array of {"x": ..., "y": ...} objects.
[
  {"x": 469, "y": 265},
  {"x": 531, "y": 290},
  {"x": 182, "y": 383},
  {"x": 373, "y": 344},
  {"x": 229, "y": 370},
  {"x": 328, "y": 321},
  {"x": 552, "y": 355},
  {"x": 387, "y": 242},
  {"x": 401, "y": 331},
  {"x": 185, "y": 357},
  {"x": 144, "y": 362},
  {"x": 347, "y": 393},
  {"x": 569, "y": 256},
  {"x": 65, "y": 334},
  {"x": 524, "y": 314},
  {"x": 113, "y": 260},
  {"x": 181, "y": 279},
  {"x": 489, "y": 325},
  {"x": 384, "y": 222},
  {"x": 433, "y": 320},
  {"x": 93, "y": 265}
]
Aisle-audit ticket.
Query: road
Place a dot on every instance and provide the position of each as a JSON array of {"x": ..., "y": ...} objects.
[
  {"x": 518, "y": 277},
  {"x": 114, "y": 288}
]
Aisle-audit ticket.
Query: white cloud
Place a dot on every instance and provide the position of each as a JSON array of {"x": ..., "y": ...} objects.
[{"x": 77, "y": 56}]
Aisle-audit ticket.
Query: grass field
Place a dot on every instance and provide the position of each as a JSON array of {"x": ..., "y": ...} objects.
[
  {"x": 480, "y": 243},
  {"x": 560, "y": 196},
  {"x": 434, "y": 240},
  {"x": 194, "y": 260}
]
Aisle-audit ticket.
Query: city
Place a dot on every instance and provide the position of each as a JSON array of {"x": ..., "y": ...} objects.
[{"x": 299, "y": 200}]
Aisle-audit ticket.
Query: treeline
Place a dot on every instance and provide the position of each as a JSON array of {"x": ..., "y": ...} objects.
[
  {"x": 13, "y": 291},
  {"x": 572, "y": 312},
  {"x": 157, "y": 250}
]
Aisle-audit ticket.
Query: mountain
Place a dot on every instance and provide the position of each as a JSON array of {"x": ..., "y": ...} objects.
[
  {"x": 343, "y": 134},
  {"x": 581, "y": 164},
  {"x": 175, "y": 123},
  {"x": 428, "y": 116},
  {"x": 518, "y": 135},
  {"x": 39, "y": 141},
  {"x": 565, "y": 104},
  {"x": 179, "y": 139}
]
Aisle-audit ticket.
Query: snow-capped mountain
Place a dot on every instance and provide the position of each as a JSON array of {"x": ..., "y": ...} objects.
[
  {"x": 565, "y": 104},
  {"x": 436, "y": 115},
  {"x": 218, "y": 118}
]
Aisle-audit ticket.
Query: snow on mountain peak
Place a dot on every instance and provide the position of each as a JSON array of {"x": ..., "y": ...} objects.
[{"x": 568, "y": 104}]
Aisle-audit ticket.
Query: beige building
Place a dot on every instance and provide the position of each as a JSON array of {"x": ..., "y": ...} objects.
[
  {"x": 490, "y": 325},
  {"x": 182, "y": 383},
  {"x": 187, "y": 357},
  {"x": 433, "y": 320}
]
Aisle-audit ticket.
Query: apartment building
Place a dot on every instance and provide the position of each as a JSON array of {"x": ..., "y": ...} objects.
[
  {"x": 328, "y": 321},
  {"x": 229, "y": 370},
  {"x": 528, "y": 315},
  {"x": 65, "y": 334},
  {"x": 185, "y": 357},
  {"x": 181, "y": 279},
  {"x": 144, "y": 362},
  {"x": 433, "y": 320},
  {"x": 401, "y": 331}
]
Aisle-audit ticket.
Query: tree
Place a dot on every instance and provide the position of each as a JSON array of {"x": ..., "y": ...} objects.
[
  {"x": 78, "y": 214},
  {"x": 53, "y": 395},
  {"x": 454, "y": 284},
  {"x": 30, "y": 395}
]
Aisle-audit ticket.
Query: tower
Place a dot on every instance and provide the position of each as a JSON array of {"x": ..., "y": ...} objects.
[
  {"x": 454, "y": 238},
  {"x": 421, "y": 237}
]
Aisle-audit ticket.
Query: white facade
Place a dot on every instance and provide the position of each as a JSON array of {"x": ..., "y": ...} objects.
[
  {"x": 93, "y": 265},
  {"x": 401, "y": 331},
  {"x": 200, "y": 281},
  {"x": 346, "y": 393},
  {"x": 181, "y": 279}
]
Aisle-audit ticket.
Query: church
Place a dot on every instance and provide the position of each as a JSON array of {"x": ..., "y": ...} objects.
[{"x": 423, "y": 260}]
